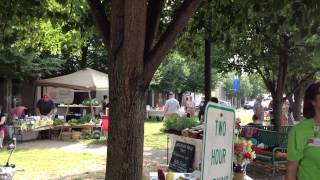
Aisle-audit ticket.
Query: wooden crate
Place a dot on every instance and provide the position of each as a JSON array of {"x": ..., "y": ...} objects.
[
  {"x": 65, "y": 135},
  {"x": 75, "y": 135}
]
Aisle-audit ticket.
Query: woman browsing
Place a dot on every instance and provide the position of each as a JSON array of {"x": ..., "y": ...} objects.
[
  {"x": 304, "y": 140},
  {"x": 2, "y": 127}
]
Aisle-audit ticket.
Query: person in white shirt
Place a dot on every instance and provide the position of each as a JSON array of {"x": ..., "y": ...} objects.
[{"x": 171, "y": 108}]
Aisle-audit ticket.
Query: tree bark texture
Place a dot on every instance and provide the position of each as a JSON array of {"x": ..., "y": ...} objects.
[
  {"x": 281, "y": 80},
  {"x": 134, "y": 56},
  {"x": 207, "y": 70},
  {"x": 297, "y": 104},
  {"x": 84, "y": 56},
  {"x": 127, "y": 96}
]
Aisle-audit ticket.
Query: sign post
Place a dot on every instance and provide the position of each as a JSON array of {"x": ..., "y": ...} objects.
[{"x": 217, "y": 155}]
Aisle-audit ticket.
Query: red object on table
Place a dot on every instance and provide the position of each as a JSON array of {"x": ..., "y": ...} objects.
[
  {"x": 161, "y": 175},
  {"x": 105, "y": 124}
]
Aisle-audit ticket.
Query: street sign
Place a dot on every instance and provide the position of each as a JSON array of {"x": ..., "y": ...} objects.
[{"x": 217, "y": 155}]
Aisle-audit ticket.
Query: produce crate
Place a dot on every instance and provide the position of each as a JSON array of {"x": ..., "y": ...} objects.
[
  {"x": 76, "y": 135},
  {"x": 65, "y": 135},
  {"x": 86, "y": 130}
]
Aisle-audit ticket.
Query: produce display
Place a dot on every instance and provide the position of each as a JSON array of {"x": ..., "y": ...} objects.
[
  {"x": 87, "y": 119},
  {"x": 33, "y": 123},
  {"x": 57, "y": 122},
  {"x": 188, "y": 127},
  {"x": 91, "y": 102},
  {"x": 176, "y": 126}
]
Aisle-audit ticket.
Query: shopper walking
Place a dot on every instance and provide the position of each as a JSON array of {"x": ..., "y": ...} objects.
[
  {"x": 171, "y": 108},
  {"x": 258, "y": 109}
]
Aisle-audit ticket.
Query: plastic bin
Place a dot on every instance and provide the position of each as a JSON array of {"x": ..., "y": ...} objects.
[{"x": 105, "y": 124}]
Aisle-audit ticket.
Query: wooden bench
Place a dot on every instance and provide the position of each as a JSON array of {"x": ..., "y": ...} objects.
[{"x": 269, "y": 139}]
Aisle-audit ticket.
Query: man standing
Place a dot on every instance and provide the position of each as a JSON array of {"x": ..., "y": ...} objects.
[
  {"x": 258, "y": 109},
  {"x": 45, "y": 106},
  {"x": 105, "y": 104},
  {"x": 202, "y": 107},
  {"x": 171, "y": 108}
]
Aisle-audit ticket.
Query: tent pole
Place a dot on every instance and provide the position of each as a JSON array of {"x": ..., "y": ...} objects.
[{"x": 92, "y": 111}]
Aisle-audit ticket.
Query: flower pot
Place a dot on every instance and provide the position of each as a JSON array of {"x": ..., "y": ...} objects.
[{"x": 238, "y": 176}]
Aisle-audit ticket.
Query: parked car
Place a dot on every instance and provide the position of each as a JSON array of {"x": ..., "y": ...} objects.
[
  {"x": 248, "y": 105},
  {"x": 225, "y": 103}
]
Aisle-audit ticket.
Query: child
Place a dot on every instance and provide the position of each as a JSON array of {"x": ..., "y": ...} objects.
[{"x": 256, "y": 121}]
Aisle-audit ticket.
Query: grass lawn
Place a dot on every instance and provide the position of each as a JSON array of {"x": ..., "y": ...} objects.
[
  {"x": 44, "y": 164},
  {"x": 153, "y": 137},
  {"x": 41, "y": 164}
]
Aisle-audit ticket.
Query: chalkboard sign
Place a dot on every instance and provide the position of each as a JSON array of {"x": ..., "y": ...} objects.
[{"x": 182, "y": 157}]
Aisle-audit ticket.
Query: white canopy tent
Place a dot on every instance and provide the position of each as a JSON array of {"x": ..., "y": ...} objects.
[{"x": 86, "y": 80}]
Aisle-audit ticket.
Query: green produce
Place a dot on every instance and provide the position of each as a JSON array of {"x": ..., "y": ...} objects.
[
  {"x": 57, "y": 122},
  {"x": 91, "y": 102},
  {"x": 74, "y": 122},
  {"x": 180, "y": 124},
  {"x": 85, "y": 119}
]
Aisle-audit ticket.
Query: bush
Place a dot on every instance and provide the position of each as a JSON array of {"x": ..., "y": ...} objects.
[{"x": 169, "y": 124}]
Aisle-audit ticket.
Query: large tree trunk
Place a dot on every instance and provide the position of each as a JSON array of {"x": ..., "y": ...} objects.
[
  {"x": 277, "y": 110},
  {"x": 131, "y": 67},
  {"x": 8, "y": 94},
  {"x": 84, "y": 56},
  {"x": 281, "y": 80},
  {"x": 207, "y": 70},
  {"x": 298, "y": 97},
  {"x": 127, "y": 96}
]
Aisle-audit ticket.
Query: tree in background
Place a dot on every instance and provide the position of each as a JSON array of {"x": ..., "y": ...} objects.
[
  {"x": 180, "y": 74},
  {"x": 268, "y": 39}
]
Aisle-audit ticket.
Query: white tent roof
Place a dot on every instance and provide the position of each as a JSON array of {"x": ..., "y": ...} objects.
[{"x": 86, "y": 79}]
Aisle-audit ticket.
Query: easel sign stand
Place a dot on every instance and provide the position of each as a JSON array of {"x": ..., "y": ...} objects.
[{"x": 217, "y": 155}]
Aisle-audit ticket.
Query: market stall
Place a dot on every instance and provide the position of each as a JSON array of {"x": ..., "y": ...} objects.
[
  {"x": 188, "y": 132},
  {"x": 208, "y": 150},
  {"x": 67, "y": 123}
]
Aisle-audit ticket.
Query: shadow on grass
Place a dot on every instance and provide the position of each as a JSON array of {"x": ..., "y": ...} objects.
[{"x": 99, "y": 175}]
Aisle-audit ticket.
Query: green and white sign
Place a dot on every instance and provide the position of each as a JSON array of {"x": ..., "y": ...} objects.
[{"x": 217, "y": 155}]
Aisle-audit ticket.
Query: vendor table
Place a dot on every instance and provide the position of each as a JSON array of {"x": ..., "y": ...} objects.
[
  {"x": 28, "y": 135},
  {"x": 82, "y": 126},
  {"x": 33, "y": 134},
  {"x": 155, "y": 113},
  {"x": 154, "y": 176},
  {"x": 196, "y": 142}
]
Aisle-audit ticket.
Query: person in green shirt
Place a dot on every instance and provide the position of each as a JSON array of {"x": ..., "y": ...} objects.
[{"x": 304, "y": 140}]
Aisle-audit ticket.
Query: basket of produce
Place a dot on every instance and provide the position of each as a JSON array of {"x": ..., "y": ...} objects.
[
  {"x": 65, "y": 135},
  {"x": 75, "y": 135}
]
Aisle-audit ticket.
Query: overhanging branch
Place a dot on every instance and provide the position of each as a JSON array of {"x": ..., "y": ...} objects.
[
  {"x": 100, "y": 19},
  {"x": 154, "y": 58},
  {"x": 266, "y": 81},
  {"x": 300, "y": 83}
]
